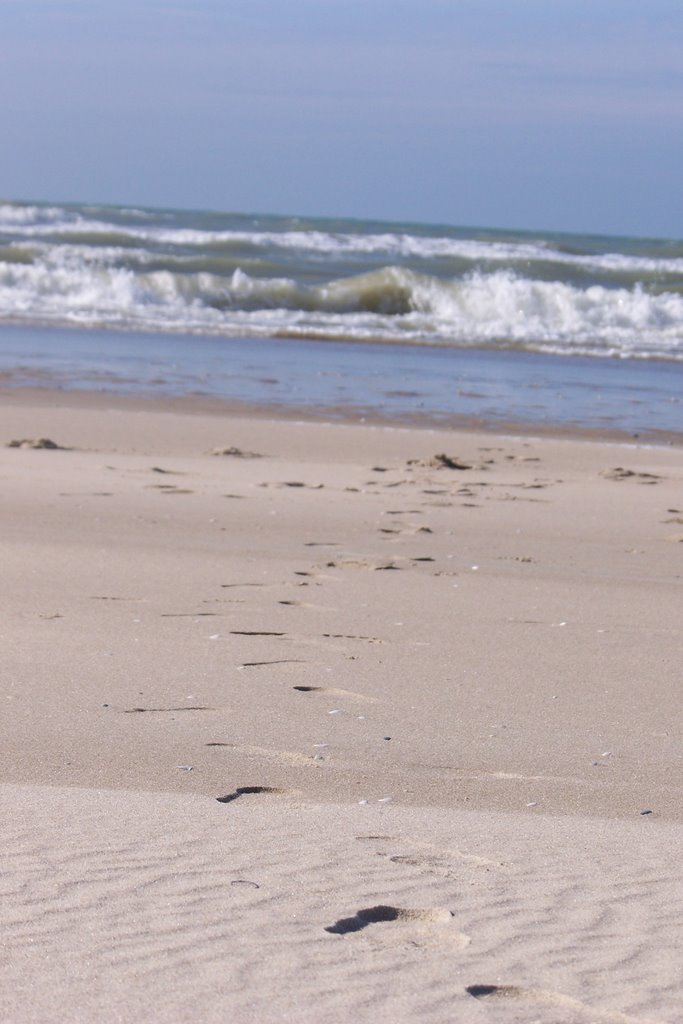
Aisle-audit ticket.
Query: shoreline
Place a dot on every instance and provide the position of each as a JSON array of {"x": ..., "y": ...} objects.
[
  {"x": 445, "y": 388},
  {"x": 204, "y": 405}
]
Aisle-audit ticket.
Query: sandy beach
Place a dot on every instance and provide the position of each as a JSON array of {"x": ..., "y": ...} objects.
[{"x": 335, "y": 722}]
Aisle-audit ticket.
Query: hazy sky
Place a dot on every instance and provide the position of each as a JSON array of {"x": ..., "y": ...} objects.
[{"x": 558, "y": 114}]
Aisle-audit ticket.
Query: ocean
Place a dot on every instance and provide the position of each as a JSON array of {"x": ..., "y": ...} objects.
[{"x": 395, "y": 319}]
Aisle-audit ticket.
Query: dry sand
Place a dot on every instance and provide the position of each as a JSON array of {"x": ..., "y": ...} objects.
[{"x": 326, "y": 728}]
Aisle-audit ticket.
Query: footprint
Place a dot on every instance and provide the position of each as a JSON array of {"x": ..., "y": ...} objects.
[
  {"x": 255, "y": 632},
  {"x": 353, "y": 636},
  {"x": 37, "y": 442},
  {"x": 382, "y": 913},
  {"x": 432, "y": 855},
  {"x": 226, "y": 586},
  {"x": 236, "y": 453},
  {"x": 169, "y": 489},
  {"x": 412, "y": 925},
  {"x": 186, "y": 707},
  {"x": 287, "y": 756},
  {"x": 332, "y": 691},
  {"x": 276, "y": 661},
  {"x": 246, "y": 790},
  {"x": 441, "y": 461},
  {"x": 187, "y": 615},
  {"x": 348, "y": 563},
  {"x": 515, "y": 993},
  {"x": 619, "y": 473},
  {"x": 300, "y": 483}
]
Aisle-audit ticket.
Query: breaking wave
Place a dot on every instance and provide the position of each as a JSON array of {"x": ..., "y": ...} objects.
[
  {"x": 215, "y": 273},
  {"x": 392, "y": 303}
]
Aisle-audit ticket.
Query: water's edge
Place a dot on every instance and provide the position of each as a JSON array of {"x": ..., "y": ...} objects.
[{"x": 417, "y": 385}]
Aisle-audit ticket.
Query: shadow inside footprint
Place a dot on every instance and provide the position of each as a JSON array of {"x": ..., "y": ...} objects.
[
  {"x": 481, "y": 991},
  {"x": 244, "y": 790},
  {"x": 362, "y": 919}
]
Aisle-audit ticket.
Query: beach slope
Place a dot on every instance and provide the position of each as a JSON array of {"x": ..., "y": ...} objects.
[{"x": 307, "y": 721}]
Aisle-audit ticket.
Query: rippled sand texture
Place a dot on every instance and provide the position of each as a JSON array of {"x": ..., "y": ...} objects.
[
  {"x": 309, "y": 722},
  {"x": 175, "y": 908}
]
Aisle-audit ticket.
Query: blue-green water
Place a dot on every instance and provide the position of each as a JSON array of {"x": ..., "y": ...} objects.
[{"x": 402, "y": 319}]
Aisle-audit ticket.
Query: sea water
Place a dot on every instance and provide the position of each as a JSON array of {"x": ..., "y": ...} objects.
[{"x": 387, "y": 317}]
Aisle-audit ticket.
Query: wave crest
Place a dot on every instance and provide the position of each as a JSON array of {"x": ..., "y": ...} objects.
[{"x": 71, "y": 285}]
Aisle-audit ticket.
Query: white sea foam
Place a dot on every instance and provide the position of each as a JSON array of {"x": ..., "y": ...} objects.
[
  {"x": 13, "y": 215},
  {"x": 498, "y": 308},
  {"x": 53, "y": 222}
]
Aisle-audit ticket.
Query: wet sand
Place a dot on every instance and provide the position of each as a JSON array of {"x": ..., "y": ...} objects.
[{"x": 358, "y": 722}]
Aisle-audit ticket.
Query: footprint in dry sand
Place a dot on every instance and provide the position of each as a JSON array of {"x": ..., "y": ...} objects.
[
  {"x": 256, "y": 632},
  {"x": 292, "y": 757},
  {"x": 246, "y": 790},
  {"x": 356, "y": 563},
  {"x": 441, "y": 461},
  {"x": 381, "y": 913},
  {"x": 619, "y": 473},
  {"x": 419, "y": 924},
  {"x": 37, "y": 442},
  {"x": 331, "y": 691},
  {"x": 275, "y": 661},
  {"x": 186, "y": 707},
  {"x": 515, "y": 993},
  {"x": 169, "y": 489},
  {"x": 353, "y": 636},
  {"x": 430, "y": 855},
  {"x": 236, "y": 453}
]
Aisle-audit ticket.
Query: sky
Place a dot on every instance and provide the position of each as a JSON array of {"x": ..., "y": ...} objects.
[{"x": 560, "y": 115}]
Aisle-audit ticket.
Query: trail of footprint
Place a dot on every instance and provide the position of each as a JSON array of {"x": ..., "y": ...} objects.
[
  {"x": 332, "y": 691},
  {"x": 515, "y": 993},
  {"x": 245, "y": 790}
]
